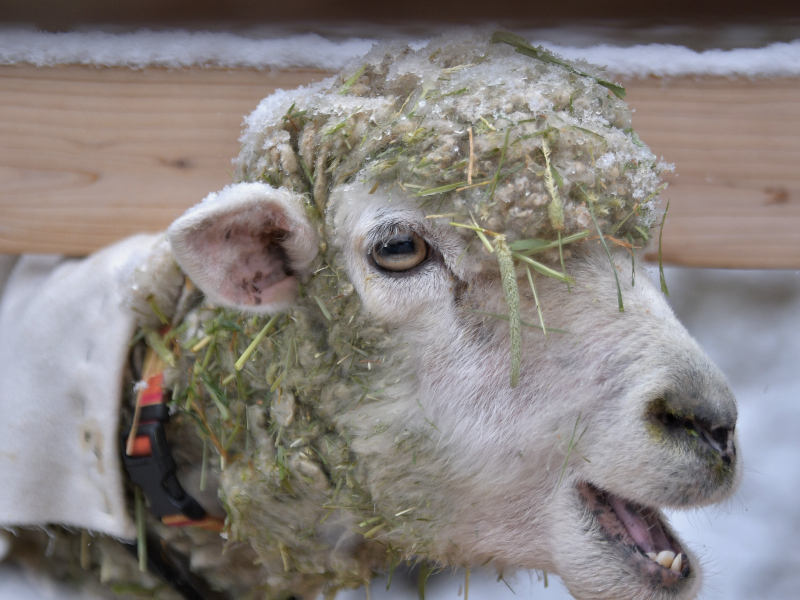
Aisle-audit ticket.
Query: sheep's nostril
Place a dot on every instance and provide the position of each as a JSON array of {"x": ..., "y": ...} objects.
[
  {"x": 718, "y": 439},
  {"x": 721, "y": 439},
  {"x": 720, "y": 435}
]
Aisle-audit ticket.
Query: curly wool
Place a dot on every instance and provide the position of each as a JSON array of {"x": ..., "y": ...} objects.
[{"x": 472, "y": 119}]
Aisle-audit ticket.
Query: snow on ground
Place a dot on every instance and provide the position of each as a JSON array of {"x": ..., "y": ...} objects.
[{"x": 178, "y": 49}]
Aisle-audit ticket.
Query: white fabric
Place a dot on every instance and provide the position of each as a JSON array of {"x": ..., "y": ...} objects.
[{"x": 64, "y": 336}]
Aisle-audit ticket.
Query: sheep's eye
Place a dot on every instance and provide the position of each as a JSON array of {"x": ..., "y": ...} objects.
[{"x": 400, "y": 252}]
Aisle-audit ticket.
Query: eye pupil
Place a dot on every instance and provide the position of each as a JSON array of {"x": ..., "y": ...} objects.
[
  {"x": 400, "y": 252},
  {"x": 397, "y": 246}
]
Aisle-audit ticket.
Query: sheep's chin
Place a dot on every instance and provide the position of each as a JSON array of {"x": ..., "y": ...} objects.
[{"x": 639, "y": 536}]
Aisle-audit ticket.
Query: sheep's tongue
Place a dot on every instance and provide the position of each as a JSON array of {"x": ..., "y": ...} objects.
[{"x": 645, "y": 530}]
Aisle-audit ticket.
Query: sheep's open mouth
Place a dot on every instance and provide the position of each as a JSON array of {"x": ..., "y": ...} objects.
[{"x": 640, "y": 534}]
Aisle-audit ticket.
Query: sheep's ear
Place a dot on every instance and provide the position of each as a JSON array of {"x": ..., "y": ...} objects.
[{"x": 244, "y": 246}]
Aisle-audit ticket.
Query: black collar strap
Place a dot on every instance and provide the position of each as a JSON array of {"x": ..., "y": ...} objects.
[
  {"x": 148, "y": 459},
  {"x": 173, "y": 569},
  {"x": 150, "y": 466}
]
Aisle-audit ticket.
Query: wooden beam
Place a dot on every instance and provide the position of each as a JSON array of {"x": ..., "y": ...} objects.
[
  {"x": 89, "y": 155},
  {"x": 735, "y": 193}
]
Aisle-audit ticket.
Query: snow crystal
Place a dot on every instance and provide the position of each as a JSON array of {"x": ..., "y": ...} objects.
[{"x": 604, "y": 162}]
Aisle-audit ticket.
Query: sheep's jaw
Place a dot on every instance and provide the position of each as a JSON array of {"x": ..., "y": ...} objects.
[{"x": 639, "y": 536}]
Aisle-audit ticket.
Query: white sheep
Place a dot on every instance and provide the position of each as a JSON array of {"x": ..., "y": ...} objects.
[{"x": 411, "y": 343}]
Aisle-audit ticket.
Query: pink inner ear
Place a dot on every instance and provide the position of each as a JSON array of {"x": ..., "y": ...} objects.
[{"x": 249, "y": 252}]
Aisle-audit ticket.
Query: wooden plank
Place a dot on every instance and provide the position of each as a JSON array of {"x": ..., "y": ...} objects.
[
  {"x": 90, "y": 155},
  {"x": 735, "y": 193}
]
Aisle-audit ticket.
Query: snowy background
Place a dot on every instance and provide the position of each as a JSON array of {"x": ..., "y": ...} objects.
[{"x": 749, "y": 323}]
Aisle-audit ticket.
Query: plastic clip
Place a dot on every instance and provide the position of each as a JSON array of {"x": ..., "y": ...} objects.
[{"x": 152, "y": 468}]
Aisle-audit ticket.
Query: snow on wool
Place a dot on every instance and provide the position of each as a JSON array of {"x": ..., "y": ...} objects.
[{"x": 451, "y": 366}]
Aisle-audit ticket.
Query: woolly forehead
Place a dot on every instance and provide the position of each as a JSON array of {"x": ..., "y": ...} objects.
[{"x": 471, "y": 120}]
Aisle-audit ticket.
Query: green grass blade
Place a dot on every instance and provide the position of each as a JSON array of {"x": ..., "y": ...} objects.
[
  {"x": 523, "y": 47},
  {"x": 496, "y": 178},
  {"x": 530, "y": 245},
  {"x": 307, "y": 172},
  {"x": 482, "y": 235},
  {"x": 204, "y": 466},
  {"x": 277, "y": 382},
  {"x": 349, "y": 83},
  {"x": 535, "y": 245},
  {"x": 141, "y": 531},
  {"x": 156, "y": 342},
  {"x": 608, "y": 253},
  {"x": 450, "y": 187},
  {"x": 561, "y": 258},
  {"x": 323, "y": 308},
  {"x": 556, "y": 176},
  {"x": 543, "y": 269},
  {"x": 216, "y": 396},
  {"x": 254, "y": 344},
  {"x": 157, "y": 311},
  {"x": 589, "y": 131},
  {"x": 555, "y": 209},
  {"x": 536, "y": 298},
  {"x": 508, "y": 277},
  {"x": 572, "y": 444},
  {"x": 478, "y": 230},
  {"x": 660, "y": 264},
  {"x": 392, "y": 566}
]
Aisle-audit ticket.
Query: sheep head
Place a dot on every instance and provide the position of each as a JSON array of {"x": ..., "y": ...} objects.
[{"x": 453, "y": 369}]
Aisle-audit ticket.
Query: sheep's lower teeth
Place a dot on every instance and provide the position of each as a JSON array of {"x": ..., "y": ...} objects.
[{"x": 667, "y": 559}]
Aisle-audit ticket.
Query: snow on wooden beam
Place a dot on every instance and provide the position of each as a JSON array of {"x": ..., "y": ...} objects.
[{"x": 89, "y": 155}]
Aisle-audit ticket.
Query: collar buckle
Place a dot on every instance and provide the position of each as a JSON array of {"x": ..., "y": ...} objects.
[{"x": 152, "y": 467}]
